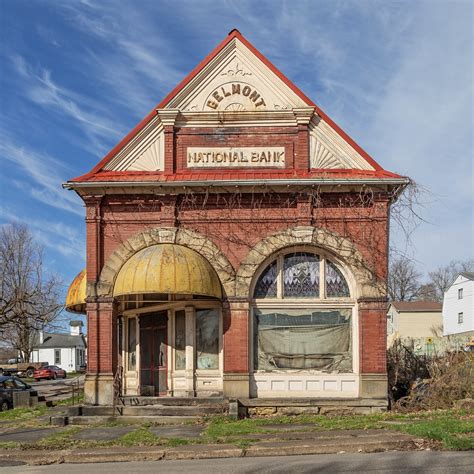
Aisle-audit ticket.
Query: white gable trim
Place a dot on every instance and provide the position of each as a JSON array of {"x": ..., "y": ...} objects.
[
  {"x": 144, "y": 153},
  {"x": 235, "y": 64},
  {"x": 329, "y": 151}
]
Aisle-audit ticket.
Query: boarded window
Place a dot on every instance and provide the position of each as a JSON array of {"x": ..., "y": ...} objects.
[
  {"x": 303, "y": 339},
  {"x": 180, "y": 340},
  {"x": 207, "y": 338}
]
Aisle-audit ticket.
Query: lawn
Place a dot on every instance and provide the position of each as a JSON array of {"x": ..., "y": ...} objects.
[{"x": 448, "y": 429}]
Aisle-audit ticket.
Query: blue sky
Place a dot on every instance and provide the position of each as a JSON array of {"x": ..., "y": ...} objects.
[{"x": 76, "y": 76}]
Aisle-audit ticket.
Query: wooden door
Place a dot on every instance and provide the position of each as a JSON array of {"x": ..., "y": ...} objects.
[{"x": 153, "y": 352}]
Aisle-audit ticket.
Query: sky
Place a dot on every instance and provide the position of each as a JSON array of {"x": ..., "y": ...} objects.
[{"x": 77, "y": 75}]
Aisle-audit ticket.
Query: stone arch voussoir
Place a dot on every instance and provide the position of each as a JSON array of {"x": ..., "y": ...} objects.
[
  {"x": 345, "y": 251},
  {"x": 170, "y": 235}
]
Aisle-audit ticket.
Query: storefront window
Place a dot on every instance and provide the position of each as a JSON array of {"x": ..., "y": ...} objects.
[
  {"x": 303, "y": 339},
  {"x": 180, "y": 340},
  {"x": 207, "y": 338},
  {"x": 132, "y": 344},
  {"x": 312, "y": 328}
]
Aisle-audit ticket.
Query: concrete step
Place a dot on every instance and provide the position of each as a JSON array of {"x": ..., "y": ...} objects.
[
  {"x": 147, "y": 410},
  {"x": 173, "y": 401},
  {"x": 161, "y": 410},
  {"x": 157, "y": 420}
]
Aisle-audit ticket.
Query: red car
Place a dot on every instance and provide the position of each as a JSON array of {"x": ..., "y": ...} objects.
[{"x": 49, "y": 372}]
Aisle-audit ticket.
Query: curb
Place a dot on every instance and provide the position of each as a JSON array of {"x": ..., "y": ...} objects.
[{"x": 209, "y": 451}]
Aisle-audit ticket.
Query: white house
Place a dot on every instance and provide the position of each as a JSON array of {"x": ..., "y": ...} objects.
[
  {"x": 67, "y": 351},
  {"x": 458, "y": 308}
]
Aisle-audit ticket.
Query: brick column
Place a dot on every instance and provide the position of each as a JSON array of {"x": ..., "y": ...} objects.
[
  {"x": 93, "y": 238},
  {"x": 236, "y": 348},
  {"x": 373, "y": 347},
  {"x": 303, "y": 116},
  {"x": 102, "y": 355},
  {"x": 168, "y": 119}
]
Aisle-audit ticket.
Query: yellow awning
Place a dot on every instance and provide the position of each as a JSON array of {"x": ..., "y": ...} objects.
[
  {"x": 77, "y": 293},
  {"x": 167, "y": 268}
]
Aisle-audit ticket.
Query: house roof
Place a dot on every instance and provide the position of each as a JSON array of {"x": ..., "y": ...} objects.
[
  {"x": 101, "y": 174},
  {"x": 58, "y": 341},
  {"x": 417, "y": 306},
  {"x": 468, "y": 275}
]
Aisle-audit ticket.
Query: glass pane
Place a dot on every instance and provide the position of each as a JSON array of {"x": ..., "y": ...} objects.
[
  {"x": 267, "y": 283},
  {"x": 132, "y": 344},
  {"x": 180, "y": 340},
  {"x": 301, "y": 275},
  {"x": 303, "y": 339},
  {"x": 336, "y": 284},
  {"x": 207, "y": 338}
]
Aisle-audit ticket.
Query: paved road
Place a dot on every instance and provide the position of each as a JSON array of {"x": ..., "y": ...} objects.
[
  {"x": 58, "y": 389},
  {"x": 393, "y": 462}
]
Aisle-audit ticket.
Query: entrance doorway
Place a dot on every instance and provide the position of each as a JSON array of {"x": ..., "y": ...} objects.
[{"x": 153, "y": 353}]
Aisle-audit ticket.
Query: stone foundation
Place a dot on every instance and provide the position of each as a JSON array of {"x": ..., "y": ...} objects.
[{"x": 99, "y": 389}]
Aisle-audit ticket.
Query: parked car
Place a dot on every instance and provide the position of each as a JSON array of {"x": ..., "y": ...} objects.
[
  {"x": 17, "y": 367},
  {"x": 49, "y": 372},
  {"x": 8, "y": 385}
]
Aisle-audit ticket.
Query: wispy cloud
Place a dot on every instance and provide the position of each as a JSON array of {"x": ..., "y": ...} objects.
[
  {"x": 54, "y": 235},
  {"x": 43, "y": 171},
  {"x": 40, "y": 88}
]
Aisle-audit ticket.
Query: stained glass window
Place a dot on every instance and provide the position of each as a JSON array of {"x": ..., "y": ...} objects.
[
  {"x": 301, "y": 275},
  {"x": 267, "y": 283},
  {"x": 336, "y": 284}
]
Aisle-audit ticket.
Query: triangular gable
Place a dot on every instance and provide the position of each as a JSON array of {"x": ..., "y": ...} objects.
[{"x": 235, "y": 76}]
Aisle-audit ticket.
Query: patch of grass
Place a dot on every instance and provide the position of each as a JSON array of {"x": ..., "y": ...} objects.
[
  {"x": 173, "y": 442},
  {"x": 20, "y": 414},
  {"x": 454, "y": 433},
  {"x": 59, "y": 440},
  {"x": 140, "y": 437},
  {"x": 78, "y": 398}
]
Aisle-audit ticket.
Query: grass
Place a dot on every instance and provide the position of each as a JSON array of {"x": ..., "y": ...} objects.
[
  {"x": 22, "y": 414},
  {"x": 453, "y": 430}
]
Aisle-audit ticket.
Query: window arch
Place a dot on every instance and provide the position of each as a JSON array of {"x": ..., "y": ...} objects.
[
  {"x": 302, "y": 314},
  {"x": 301, "y": 274}
]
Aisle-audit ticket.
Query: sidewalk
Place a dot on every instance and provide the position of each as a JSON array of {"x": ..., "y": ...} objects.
[{"x": 280, "y": 443}]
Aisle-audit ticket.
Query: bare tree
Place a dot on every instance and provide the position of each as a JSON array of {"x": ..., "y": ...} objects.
[
  {"x": 29, "y": 300},
  {"x": 442, "y": 277},
  {"x": 403, "y": 280}
]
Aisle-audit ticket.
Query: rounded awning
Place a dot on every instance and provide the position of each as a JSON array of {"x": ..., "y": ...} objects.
[
  {"x": 167, "y": 268},
  {"x": 77, "y": 293}
]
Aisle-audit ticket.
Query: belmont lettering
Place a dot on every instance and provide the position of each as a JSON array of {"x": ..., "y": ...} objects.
[{"x": 235, "y": 89}]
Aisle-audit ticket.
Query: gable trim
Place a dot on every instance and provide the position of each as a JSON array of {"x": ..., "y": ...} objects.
[{"x": 231, "y": 36}]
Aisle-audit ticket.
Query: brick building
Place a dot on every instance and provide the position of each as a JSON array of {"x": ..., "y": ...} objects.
[{"x": 236, "y": 245}]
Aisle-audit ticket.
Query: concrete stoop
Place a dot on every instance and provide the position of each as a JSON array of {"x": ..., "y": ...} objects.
[{"x": 339, "y": 443}]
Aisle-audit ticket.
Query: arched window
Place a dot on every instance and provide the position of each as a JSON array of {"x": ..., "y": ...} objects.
[
  {"x": 302, "y": 315},
  {"x": 299, "y": 275}
]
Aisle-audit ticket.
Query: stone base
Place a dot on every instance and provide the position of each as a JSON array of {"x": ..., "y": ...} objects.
[
  {"x": 99, "y": 389},
  {"x": 236, "y": 385},
  {"x": 373, "y": 386}
]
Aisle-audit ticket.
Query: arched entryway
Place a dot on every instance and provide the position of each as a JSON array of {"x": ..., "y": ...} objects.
[{"x": 170, "y": 323}]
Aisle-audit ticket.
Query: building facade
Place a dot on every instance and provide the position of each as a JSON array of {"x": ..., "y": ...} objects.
[
  {"x": 458, "y": 308},
  {"x": 416, "y": 323},
  {"x": 236, "y": 246}
]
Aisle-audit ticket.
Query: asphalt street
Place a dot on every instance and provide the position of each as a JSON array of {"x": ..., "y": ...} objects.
[
  {"x": 432, "y": 462},
  {"x": 58, "y": 389}
]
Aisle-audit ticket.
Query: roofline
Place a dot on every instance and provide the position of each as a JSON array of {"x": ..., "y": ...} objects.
[
  {"x": 252, "y": 182},
  {"x": 232, "y": 35}
]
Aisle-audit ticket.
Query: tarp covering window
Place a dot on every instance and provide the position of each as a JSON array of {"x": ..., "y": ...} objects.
[{"x": 317, "y": 339}]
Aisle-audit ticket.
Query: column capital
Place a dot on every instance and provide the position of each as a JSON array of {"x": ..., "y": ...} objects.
[{"x": 168, "y": 116}]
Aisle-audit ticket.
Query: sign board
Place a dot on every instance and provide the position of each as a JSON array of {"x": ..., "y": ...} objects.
[{"x": 230, "y": 157}]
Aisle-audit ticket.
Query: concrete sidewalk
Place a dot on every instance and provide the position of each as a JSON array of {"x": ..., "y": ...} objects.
[{"x": 341, "y": 441}]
